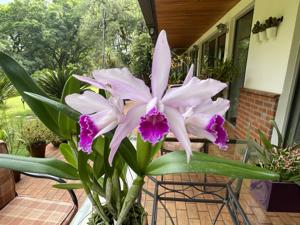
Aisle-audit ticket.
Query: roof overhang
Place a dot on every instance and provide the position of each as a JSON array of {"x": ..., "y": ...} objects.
[{"x": 184, "y": 20}]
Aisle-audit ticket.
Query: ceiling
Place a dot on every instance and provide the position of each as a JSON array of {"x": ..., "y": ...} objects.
[{"x": 186, "y": 20}]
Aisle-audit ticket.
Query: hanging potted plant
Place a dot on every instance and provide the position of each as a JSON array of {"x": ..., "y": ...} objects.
[
  {"x": 272, "y": 24},
  {"x": 36, "y": 136},
  {"x": 262, "y": 32},
  {"x": 282, "y": 195},
  {"x": 256, "y": 30}
]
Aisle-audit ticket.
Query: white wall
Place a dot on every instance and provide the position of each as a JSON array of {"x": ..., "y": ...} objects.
[{"x": 268, "y": 60}]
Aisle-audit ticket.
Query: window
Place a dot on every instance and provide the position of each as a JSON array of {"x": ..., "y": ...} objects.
[{"x": 213, "y": 50}]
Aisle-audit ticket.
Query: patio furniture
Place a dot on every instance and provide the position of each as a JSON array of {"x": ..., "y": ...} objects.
[
  {"x": 223, "y": 194},
  {"x": 21, "y": 210}
]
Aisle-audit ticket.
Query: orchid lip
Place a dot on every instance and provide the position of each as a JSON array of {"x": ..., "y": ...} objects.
[
  {"x": 88, "y": 131},
  {"x": 215, "y": 127},
  {"x": 153, "y": 126}
]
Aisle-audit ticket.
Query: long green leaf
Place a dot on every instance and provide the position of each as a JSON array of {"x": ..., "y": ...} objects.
[
  {"x": 55, "y": 105},
  {"x": 48, "y": 166},
  {"x": 68, "y": 126},
  {"x": 67, "y": 152},
  {"x": 176, "y": 162},
  {"x": 23, "y": 82},
  {"x": 69, "y": 186},
  {"x": 280, "y": 138}
]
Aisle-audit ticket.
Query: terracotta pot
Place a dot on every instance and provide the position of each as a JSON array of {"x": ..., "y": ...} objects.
[
  {"x": 17, "y": 176},
  {"x": 276, "y": 196},
  {"x": 37, "y": 149}
]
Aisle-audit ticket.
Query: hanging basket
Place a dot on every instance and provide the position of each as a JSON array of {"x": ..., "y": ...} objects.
[
  {"x": 262, "y": 35},
  {"x": 271, "y": 32},
  {"x": 256, "y": 37}
]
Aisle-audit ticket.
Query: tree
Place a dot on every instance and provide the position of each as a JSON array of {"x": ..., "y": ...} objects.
[
  {"x": 43, "y": 34},
  {"x": 140, "y": 57}
]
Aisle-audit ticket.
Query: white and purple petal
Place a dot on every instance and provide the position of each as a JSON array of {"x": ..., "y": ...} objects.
[
  {"x": 153, "y": 126},
  {"x": 160, "y": 66},
  {"x": 120, "y": 82},
  {"x": 177, "y": 126},
  {"x": 130, "y": 121},
  {"x": 88, "y": 131},
  {"x": 192, "y": 93}
]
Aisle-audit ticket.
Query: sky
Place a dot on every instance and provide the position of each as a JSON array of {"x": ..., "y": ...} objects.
[{"x": 4, "y": 1}]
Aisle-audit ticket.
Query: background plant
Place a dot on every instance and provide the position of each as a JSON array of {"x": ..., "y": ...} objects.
[
  {"x": 224, "y": 71},
  {"x": 140, "y": 56},
  {"x": 280, "y": 158},
  {"x": 35, "y": 132},
  {"x": 7, "y": 90}
]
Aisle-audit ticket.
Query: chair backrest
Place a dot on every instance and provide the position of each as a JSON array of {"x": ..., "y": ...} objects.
[{"x": 7, "y": 182}]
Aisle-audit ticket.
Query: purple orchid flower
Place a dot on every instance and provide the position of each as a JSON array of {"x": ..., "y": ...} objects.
[
  {"x": 99, "y": 116},
  {"x": 206, "y": 121},
  {"x": 158, "y": 112}
]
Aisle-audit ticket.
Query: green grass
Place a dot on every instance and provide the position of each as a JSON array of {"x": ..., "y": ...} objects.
[
  {"x": 12, "y": 115},
  {"x": 14, "y": 107}
]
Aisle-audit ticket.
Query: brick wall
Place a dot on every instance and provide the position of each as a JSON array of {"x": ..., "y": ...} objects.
[{"x": 258, "y": 108}]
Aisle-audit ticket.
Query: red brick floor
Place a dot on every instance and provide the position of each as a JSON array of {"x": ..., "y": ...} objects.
[{"x": 182, "y": 213}]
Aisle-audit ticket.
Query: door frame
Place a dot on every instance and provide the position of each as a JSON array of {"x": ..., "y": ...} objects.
[{"x": 245, "y": 13}]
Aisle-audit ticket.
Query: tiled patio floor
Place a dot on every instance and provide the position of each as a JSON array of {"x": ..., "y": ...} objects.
[{"x": 182, "y": 213}]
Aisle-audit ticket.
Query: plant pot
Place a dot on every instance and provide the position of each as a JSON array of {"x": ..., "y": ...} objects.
[
  {"x": 271, "y": 32},
  {"x": 37, "y": 149},
  {"x": 262, "y": 35},
  {"x": 256, "y": 37},
  {"x": 276, "y": 196},
  {"x": 17, "y": 176}
]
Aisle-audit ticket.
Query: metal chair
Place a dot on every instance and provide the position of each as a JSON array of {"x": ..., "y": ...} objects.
[{"x": 23, "y": 210}]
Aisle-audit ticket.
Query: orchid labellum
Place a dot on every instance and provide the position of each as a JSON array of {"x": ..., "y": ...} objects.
[{"x": 154, "y": 113}]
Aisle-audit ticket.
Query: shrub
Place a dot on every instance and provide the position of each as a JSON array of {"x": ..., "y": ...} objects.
[
  {"x": 141, "y": 57},
  {"x": 35, "y": 132},
  {"x": 7, "y": 90}
]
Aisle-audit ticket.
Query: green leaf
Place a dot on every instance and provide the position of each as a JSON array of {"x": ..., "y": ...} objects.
[
  {"x": 69, "y": 186},
  {"x": 143, "y": 153},
  {"x": 68, "y": 126},
  {"x": 279, "y": 135},
  {"x": 67, "y": 152},
  {"x": 176, "y": 162},
  {"x": 23, "y": 82},
  {"x": 265, "y": 140},
  {"x": 55, "y": 105},
  {"x": 48, "y": 166}
]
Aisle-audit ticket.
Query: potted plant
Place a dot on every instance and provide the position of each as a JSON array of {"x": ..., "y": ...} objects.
[
  {"x": 272, "y": 24},
  {"x": 282, "y": 195},
  {"x": 36, "y": 136},
  {"x": 256, "y": 30},
  {"x": 99, "y": 154},
  {"x": 262, "y": 32},
  {"x": 15, "y": 144}
]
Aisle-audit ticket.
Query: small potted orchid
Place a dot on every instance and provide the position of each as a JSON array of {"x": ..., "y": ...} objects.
[{"x": 99, "y": 153}]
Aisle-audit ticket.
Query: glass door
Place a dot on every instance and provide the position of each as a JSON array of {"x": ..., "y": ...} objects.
[{"x": 240, "y": 54}]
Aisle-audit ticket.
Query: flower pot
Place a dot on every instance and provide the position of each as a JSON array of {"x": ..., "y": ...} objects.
[
  {"x": 276, "y": 196},
  {"x": 271, "y": 32},
  {"x": 262, "y": 35},
  {"x": 37, "y": 149},
  {"x": 17, "y": 176},
  {"x": 256, "y": 37}
]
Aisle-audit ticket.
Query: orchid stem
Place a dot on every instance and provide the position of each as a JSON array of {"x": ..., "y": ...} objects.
[{"x": 131, "y": 197}]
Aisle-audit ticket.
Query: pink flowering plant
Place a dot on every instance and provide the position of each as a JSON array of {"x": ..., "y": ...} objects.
[{"x": 99, "y": 153}]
